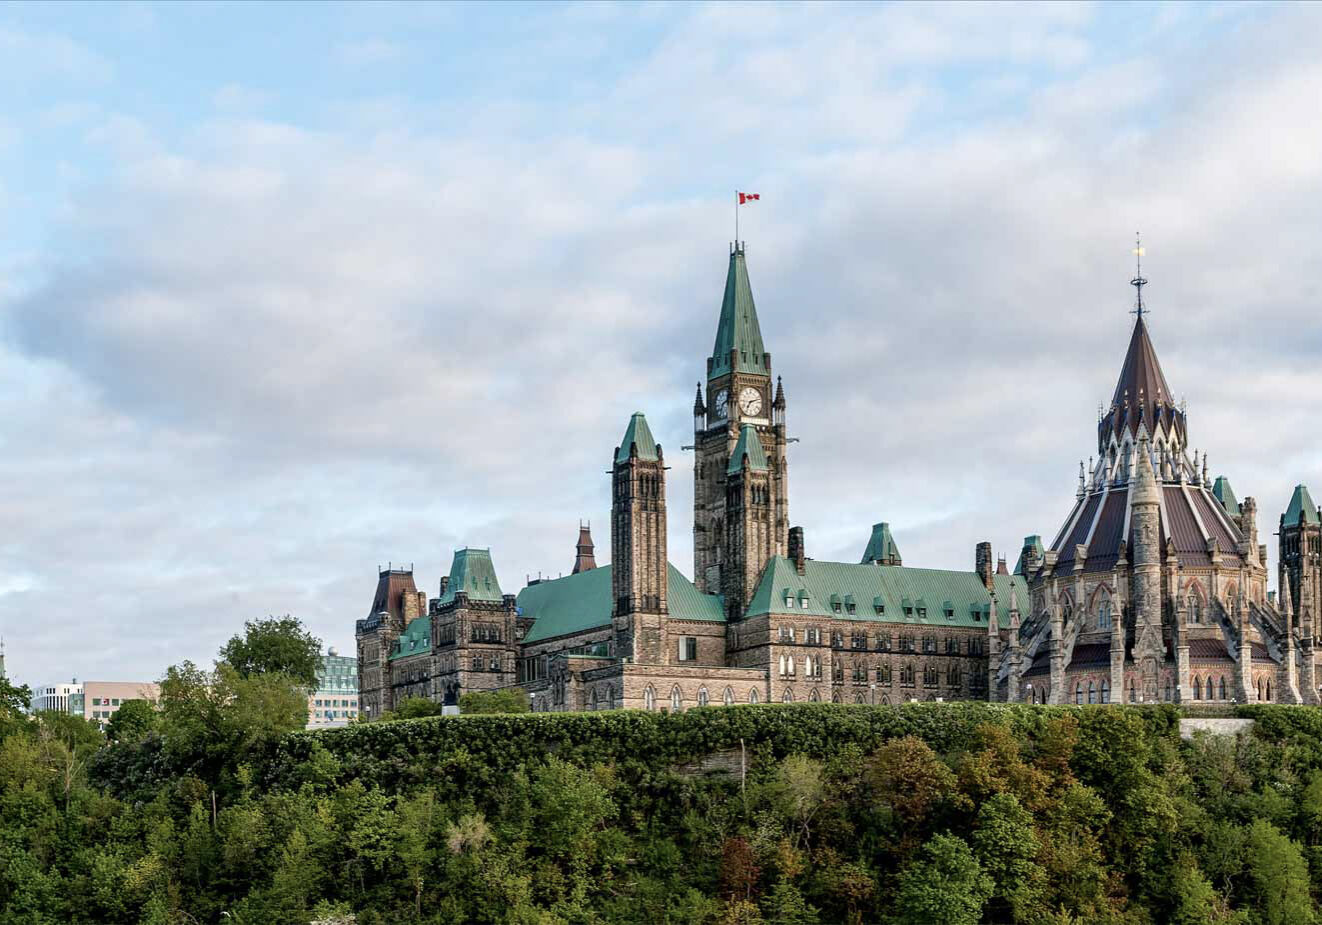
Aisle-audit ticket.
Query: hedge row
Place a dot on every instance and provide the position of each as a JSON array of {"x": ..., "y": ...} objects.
[{"x": 472, "y": 750}]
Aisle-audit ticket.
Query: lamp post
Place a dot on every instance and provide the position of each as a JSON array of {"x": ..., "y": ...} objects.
[{"x": 874, "y": 693}]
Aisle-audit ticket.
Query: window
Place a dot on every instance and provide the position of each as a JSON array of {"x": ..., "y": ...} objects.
[
  {"x": 803, "y": 600},
  {"x": 1078, "y": 694},
  {"x": 114, "y": 702},
  {"x": 1197, "y": 689},
  {"x": 1133, "y": 696},
  {"x": 836, "y": 607},
  {"x": 813, "y": 696},
  {"x": 850, "y": 606},
  {"x": 752, "y": 696},
  {"x": 1104, "y": 614},
  {"x": 922, "y": 613},
  {"x": 907, "y": 675},
  {"x": 702, "y": 696},
  {"x": 953, "y": 675},
  {"x": 929, "y": 676},
  {"x": 950, "y": 613},
  {"x": 789, "y": 696},
  {"x": 688, "y": 648},
  {"x": 1221, "y": 694},
  {"x": 883, "y": 642},
  {"x": 837, "y": 639},
  {"x": 1106, "y": 691},
  {"x": 879, "y": 607},
  {"x": 96, "y": 701},
  {"x": 1092, "y": 692},
  {"x": 1167, "y": 695},
  {"x": 494, "y": 664},
  {"x": 813, "y": 636},
  {"x": 929, "y": 644},
  {"x": 477, "y": 663},
  {"x": 858, "y": 640},
  {"x": 837, "y": 671},
  {"x": 860, "y": 673},
  {"x": 952, "y": 646},
  {"x": 883, "y": 674},
  {"x": 728, "y": 697},
  {"x": 787, "y": 634},
  {"x": 976, "y": 645},
  {"x": 1195, "y": 615},
  {"x": 649, "y": 698},
  {"x": 906, "y": 643}
]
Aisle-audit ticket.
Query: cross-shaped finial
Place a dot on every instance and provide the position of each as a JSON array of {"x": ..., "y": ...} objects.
[{"x": 1138, "y": 282}]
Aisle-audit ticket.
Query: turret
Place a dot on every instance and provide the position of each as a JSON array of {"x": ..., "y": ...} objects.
[{"x": 638, "y": 546}]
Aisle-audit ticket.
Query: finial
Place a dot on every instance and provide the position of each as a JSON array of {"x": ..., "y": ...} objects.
[{"x": 1138, "y": 282}]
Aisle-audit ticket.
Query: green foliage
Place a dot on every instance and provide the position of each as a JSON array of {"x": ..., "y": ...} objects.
[
  {"x": 800, "y": 814},
  {"x": 944, "y": 884},
  {"x": 414, "y": 708},
  {"x": 509, "y": 700},
  {"x": 276, "y": 645},
  {"x": 132, "y": 722}
]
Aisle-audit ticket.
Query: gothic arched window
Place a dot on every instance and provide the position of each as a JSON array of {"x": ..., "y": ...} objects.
[
  {"x": 649, "y": 698},
  {"x": 1078, "y": 693},
  {"x": 1104, "y": 614},
  {"x": 789, "y": 696},
  {"x": 1132, "y": 695},
  {"x": 676, "y": 699},
  {"x": 728, "y": 697},
  {"x": 1092, "y": 692},
  {"x": 1106, "y": 691},
  {"x": 1197, "y": 689},
  {"x": 1195, "y": 613},
  {"x": 859, "y": 698},
  {"x": 1168, "y": 689},
  {"x": 835, "y": 697},
  {"x": 752, "y": 696},
  {"x": 814, "y": 697},
  {"x": 1222, "y": 695},
  {"x": 702, "y": 696}
]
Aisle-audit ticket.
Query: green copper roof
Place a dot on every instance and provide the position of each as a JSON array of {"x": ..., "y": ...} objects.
[
  {"x": 415, "y": 640},
  {"x": 738, "y": 328},
  {"x": 749, "y": 443},
  {"x": 881, "y": 545},
  {"x": 637, "y": 432},
  {"x": 472, "y": 572},
  {"x": 892, "y": 586},
  {"x": 1226, "y": 495},
  {"x": 578, "y": 603},
  {"x": 1035, "y": 542},
  {"x": 1301, "y": 502}
]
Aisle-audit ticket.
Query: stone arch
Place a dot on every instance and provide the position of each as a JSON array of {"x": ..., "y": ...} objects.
[
  {"x": 728, "y": 696},
  {"x": 676, "y": 699},
  {"x": 789, "y": 695},
  {"x": 1197, "y": 688},
  {"x": 814, "y": 696},
  {"x": 702, "y": 696},
  {"x": 835, "y": 697},
  {"x": 649, "y": 698},
  {"x": 593, "y": 705},
  {"x": 885, "y": 700},
  {"x": 859, "y": 698},
  {"x": 752, "y": 695}
]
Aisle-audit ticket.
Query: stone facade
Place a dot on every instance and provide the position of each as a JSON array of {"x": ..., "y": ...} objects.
[{"x": 1154, "y": 589}]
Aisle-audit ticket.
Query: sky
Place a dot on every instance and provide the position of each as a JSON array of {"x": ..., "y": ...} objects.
[{"x": 290, "y": 292}]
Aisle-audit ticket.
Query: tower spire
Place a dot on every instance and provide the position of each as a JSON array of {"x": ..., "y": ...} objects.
[{"x": 1138, "y": 282}]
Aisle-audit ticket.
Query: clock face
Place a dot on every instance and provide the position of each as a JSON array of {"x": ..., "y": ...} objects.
[
  {"x": 722, "y": 407},
  {"x": 750, "y": 401}
]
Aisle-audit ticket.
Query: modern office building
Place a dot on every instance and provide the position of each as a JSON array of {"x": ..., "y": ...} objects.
[
  {"x": 56, "y": 696},
  {"x": 101, "y": 699},
  {"x": 335, "y": 700}
]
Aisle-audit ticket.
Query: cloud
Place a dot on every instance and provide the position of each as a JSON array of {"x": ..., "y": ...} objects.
[{"x": 267, "y": 355}]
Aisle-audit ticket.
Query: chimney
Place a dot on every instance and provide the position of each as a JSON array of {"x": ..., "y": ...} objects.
[
  {"x": 1001, "y": 568},
  {"x": 585, "y": 560},
  {"x": 983, "y": 564},
  {"x": 796, "y": 548}
]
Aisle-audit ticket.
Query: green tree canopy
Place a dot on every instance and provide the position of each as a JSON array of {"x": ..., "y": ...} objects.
[
  {"x": 276, "y": 645},
  {"x": 946, "y": 884},
  {"x": 132, "y": 722},
  {"x": 509, "y": 700}
]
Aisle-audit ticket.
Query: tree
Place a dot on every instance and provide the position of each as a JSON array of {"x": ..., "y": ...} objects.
[
  {"x": 276, "y": 645},
  {"x": 945, "y": 884},
  {"x": 911, "y": 779},
  {"x": 1278, "y": 877},
  {"x": 1006, "y": 846},
  {"x": 132, "y": 722},
  {"x": 509, "y": 700}
]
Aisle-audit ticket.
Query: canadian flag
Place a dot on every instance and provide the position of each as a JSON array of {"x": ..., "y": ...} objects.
[{"x": 748, "y": 197}]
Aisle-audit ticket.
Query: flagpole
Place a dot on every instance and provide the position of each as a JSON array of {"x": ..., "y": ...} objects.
[{"x": 736, "y": 219}]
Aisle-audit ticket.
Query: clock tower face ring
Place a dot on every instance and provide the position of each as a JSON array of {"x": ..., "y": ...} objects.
[{"x": 750, "y": 401}]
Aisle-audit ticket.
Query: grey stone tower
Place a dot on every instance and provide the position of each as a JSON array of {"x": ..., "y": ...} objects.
[
  {"x": 1145, "y": 513},
  {"x": 750, "y": 521},
  {"x": 638, "y": 546},
  {"x": 739, "y": 394}
]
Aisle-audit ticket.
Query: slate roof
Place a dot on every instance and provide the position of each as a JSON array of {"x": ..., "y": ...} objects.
[
  {"x": 637, "y": 433},
  {"x": 1183, "y": 507},
  {"x": 1141, "y": 392},
  {"x": 582, "y": 602},
  {"x": 1301, "y": 502},
  {"x": 895, "y": 587},
  {"x": 1098, "y": 653},
  {"x": 749, "y": 443},
  {"x": 472, "y": 571},
  {"x": 738, "y": 328}
]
